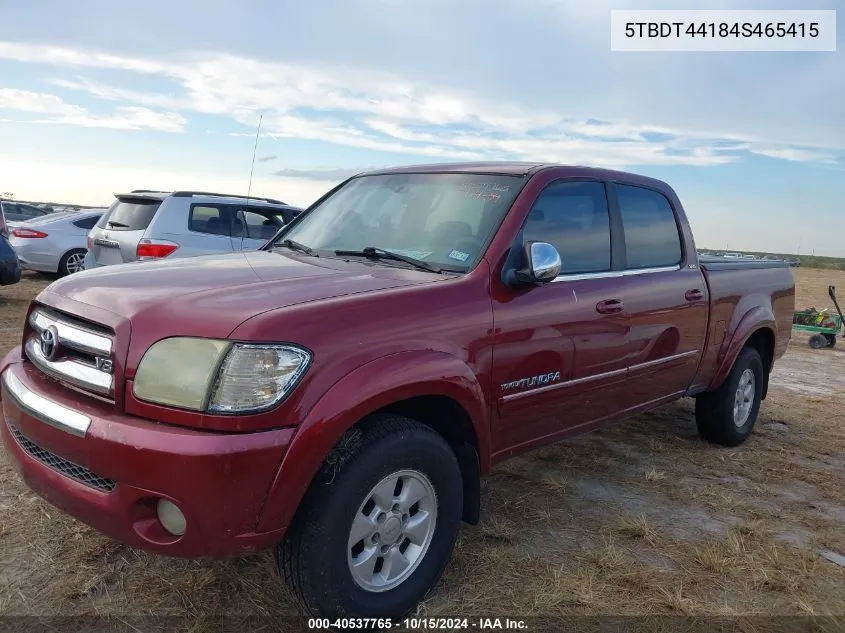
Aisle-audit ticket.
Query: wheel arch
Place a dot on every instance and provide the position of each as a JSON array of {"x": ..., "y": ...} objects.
[
  {"x": 756, "y": 329},
  {"x": 433, "y": 388},
  {"x": 451, "y": 421}
]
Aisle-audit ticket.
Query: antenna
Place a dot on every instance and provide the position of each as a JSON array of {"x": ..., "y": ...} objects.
[{"x": 251, "y": 171}]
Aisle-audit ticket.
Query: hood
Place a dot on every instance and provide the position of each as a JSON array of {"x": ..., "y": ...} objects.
[{"x": 211, "y": 295}]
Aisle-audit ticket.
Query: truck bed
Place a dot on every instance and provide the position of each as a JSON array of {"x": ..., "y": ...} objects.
[
  {"x": 710, "y": 262},
  {"x": 742, "y": 289}
]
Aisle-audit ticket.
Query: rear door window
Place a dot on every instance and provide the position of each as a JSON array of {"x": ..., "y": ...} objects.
[
  {"x": 652, "y": 239},
  {"x": 212, "y": 219},
  {"x": 129, "y": 215}
]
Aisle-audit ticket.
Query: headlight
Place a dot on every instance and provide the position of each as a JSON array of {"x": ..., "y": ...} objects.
[
  {"x": 218, "y": 376},
  {"x": 179, "y": 371},
  {"x": 256, "y": 377}
]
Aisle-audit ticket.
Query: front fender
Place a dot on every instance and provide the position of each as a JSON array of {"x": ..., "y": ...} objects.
[
  {"x": 754, "y": 319},
  {"x": 369, "y": 388}
]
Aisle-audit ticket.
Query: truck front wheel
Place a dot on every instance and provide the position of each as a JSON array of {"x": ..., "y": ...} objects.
[
  {"x": 727, "y": 415},
  {"x": 378, "y": 525}
]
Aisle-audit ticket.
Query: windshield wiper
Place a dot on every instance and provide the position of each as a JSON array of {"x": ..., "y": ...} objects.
[
  {"x": 296, "y": 246},
  {"x": 375, "y": 252},
  {"x": 112, "y": 223}
]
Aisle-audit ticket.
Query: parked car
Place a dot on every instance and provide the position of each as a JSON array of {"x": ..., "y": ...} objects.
[
  {"x": 55, "y": 243},
  {"x": 20, "y": 212},
  {"x": 144, "y": 225},
  {"x": 10, "y": 269},
  {"x": 340, "y": 392}
]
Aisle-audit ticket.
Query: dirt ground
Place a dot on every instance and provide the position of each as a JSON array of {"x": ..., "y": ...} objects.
[{"x": 638, "y": 518}]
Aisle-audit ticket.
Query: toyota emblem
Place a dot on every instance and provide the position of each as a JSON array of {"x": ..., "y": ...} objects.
[{"x": 49, "y": 338}]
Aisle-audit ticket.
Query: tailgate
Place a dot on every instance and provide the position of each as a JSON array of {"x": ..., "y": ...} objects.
[
  {"x": 114, "y": 239},
  {"x": 110, "y": 247}
]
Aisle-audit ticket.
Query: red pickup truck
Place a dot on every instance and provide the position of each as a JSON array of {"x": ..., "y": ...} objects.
[{"x": 338, "y": 393}]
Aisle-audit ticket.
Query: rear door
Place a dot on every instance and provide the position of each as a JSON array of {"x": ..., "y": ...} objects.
[
  {"x": 665, "y": 297},
  {"x": 114, "y": 239},
  {"x": 209, "y": 230}
]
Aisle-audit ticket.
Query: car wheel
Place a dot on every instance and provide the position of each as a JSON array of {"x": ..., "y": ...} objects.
[
  {"x": 378, "y": 525},
  {"x": 72, "y": 262},
  {"x": 727, "y": 415}
]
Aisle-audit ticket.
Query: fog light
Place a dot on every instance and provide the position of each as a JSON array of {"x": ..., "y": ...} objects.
[{"x": 171, "y": 517}]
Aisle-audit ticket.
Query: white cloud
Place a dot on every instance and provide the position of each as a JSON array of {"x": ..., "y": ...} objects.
[
  {"x": 376, "y": 111},
  {"x": 123, "y": 117},
  {"x": 36, "y": 102},
  {"x": 793, "y": 153},
  {"x": 59, "y": 56},
  {"x": 110, "y": 93},
  {"x": 331, "y": 174}
]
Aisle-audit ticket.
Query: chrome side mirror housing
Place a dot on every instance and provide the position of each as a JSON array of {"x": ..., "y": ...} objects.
[
  {"x": 543, "y": 261},
  {"x": 540, "y": 264}
]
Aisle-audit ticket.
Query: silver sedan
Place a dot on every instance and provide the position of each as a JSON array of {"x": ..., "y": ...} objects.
[{"x": 55, "y": 243}]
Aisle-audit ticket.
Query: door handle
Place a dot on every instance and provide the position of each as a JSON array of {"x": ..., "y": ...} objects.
[
  {"x": 610, "y": 306},
  {"x": 693, "y": 295}
]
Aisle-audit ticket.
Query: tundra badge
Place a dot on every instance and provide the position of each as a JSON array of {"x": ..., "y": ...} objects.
[{"x": 533, "y": 381}]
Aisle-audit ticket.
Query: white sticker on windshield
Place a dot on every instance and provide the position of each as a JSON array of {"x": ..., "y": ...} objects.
[
  {"x": 414, "y": 254},
  {"x": 459, "y": 255}
]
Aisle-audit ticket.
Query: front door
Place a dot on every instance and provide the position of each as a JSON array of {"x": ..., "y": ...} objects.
[{"x": 559, "y": 349}]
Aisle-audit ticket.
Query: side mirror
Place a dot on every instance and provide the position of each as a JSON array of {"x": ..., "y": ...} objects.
[
  {"x": 540, "y": 264},
  {"x": 543, "y": 261}
]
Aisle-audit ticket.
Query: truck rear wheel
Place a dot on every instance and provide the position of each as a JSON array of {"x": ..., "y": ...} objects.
[
  {"x": 727, "y": 415},
  {"x": 378, "y": 525}
]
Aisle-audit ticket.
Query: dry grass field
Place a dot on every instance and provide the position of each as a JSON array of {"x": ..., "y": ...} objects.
[{"x": 641, "y": 518}]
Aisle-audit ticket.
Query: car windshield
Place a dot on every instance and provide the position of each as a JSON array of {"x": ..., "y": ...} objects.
[{"x": 445, "y": 220}]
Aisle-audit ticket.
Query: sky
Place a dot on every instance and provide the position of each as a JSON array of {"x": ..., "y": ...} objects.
[{"x": 101, "y": 96}]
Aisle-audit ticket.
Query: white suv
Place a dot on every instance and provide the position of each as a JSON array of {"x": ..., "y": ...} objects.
[{"x": 145, "y": 224}]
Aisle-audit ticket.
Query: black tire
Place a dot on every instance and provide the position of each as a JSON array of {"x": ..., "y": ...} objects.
[
  {"x": 67, "y": 258},
  {"x": 313, "y": 557},
  {"x": 831, "y": 340},
  {"x": 817, "y": 341},
  {"x": 714, "y": 411}
]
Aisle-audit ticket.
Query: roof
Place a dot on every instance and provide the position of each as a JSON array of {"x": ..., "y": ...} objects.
[
  {"x": 514, "y": 168},
  {"x": 162, "y": 195},
  {"x": 488, "y": 167}
]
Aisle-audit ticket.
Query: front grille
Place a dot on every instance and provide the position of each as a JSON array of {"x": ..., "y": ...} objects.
[
  {"x": 78, "y": 353},
  {"x": 61, "y": 465}
]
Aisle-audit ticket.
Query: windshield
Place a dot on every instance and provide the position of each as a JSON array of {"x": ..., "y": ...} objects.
[{"x": 445, "y": 220}]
